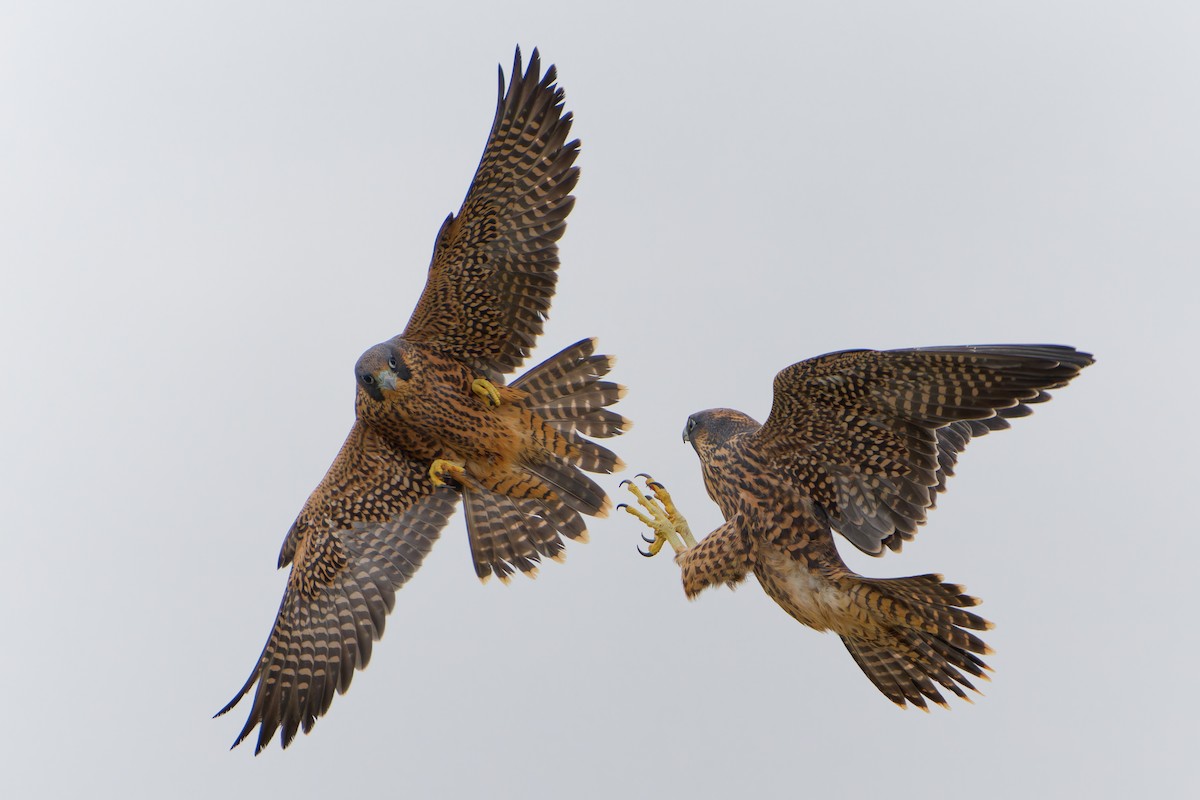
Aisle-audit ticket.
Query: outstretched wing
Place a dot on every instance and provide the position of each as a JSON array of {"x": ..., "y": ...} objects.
[
  {"x": 494, "y": 265},
  {"x": 362, "y": 534},
  {"x": 873, "y": 435}
]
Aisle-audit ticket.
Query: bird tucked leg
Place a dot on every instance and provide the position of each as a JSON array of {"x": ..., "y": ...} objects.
[
  {"x": 660, "y": 515},
  {"x": 487, "y": 391},
  {"x": 441, "y": 472}
]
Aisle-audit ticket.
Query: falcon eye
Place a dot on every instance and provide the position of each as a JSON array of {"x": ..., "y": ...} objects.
[
  {"x": 691, "y": 424},
  {"x": 368, "y": 379},
  {"x": 392, "y": 362}
]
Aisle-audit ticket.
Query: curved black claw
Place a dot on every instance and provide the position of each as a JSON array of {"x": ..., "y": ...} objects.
[
  {"x": 643, "y": 475},
  {"x": 621, "y": 485},
  {"x": 645, "y": 553},
  {"x": 621, "y": 505},
  {"x": 651, "y": 540}
]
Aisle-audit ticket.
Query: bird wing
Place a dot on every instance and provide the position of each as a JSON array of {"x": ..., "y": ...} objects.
[
  {"x": 494, "y": 265},
  {"x": 362, "y": 534},
  {"x": 873, "y": 435}
]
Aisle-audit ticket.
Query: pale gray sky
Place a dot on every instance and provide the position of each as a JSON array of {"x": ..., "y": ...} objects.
[{"x": 209, "y": 210}]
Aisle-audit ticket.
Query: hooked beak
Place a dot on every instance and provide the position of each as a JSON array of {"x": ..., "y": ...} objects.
[
  {"x": 685, "y": 436},
  {"x": 385, "y": 379}
]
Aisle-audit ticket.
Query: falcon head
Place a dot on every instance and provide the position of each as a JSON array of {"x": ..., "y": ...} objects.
[
  {"x": 382, "y": 369},
  {"x": 706, "y": 430}
]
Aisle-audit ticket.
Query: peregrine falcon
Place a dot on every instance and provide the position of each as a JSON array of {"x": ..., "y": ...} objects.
[
  {"x": 434, "y": 421},
  {"x": 859, "y": 442}
]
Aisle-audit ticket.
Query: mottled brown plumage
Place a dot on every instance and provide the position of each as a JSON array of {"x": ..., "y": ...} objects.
[
  {"x": 434, "y": 421},
  {"x": 860, "y": 442}
]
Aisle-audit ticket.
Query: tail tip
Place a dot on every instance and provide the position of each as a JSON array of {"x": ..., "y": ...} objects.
[{"x": 604, "y": 508}]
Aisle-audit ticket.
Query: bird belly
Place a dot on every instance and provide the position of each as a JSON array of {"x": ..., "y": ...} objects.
[
  {"x": 496, "y": 442},
  {"x": 808, "y": 596}
]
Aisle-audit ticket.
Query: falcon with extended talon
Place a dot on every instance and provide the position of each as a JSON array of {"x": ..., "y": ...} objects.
[
  {"x": 860, "y": 442},
  {"x": 435, "y": 422}
]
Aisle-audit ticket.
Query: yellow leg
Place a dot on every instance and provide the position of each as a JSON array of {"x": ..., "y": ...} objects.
[
  {"x": 487, "y": 391},
  {"x": 441, "y": 469},
  {"x": 660, "y": 515}
]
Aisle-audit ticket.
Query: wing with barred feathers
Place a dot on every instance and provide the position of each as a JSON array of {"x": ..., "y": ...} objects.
[
  {"x": 362, "y": 534},
  {"x": 495, "y": 265},
  {"x": 873, "y": 435}
]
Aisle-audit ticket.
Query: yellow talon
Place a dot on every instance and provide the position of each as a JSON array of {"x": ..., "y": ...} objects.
[
  {"x": 661, "y": 516},
  {"x": 487, "y": 391},
  {"x": 441, "y": 468}
]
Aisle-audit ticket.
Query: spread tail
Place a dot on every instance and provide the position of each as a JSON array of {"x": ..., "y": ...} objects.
[
  {"x": 567, "y": 392},
  {"x": 510, "y": 534},
  {"x": 513, "y": 531},
  {"x": 920, "y": 640}
]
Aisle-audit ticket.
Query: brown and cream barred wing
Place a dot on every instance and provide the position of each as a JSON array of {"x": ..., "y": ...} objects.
[
  {"x": 874, "y": 435},
  {"x": 377, "y": 529},
  {"x": 494, "y": 266},
  {"x": 370, "y": 480},
  {"x": 953, "y": 439}
]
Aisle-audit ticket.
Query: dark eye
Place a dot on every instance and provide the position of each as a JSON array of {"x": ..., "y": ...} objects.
[
  {"x": 392, "y": 362},
  {"x": 691, "y": 424},
  {"x": 369, "y": 380}
]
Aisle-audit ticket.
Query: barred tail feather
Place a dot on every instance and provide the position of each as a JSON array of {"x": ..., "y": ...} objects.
[
  {"x": 591, "y": 456},
  {"x": 503, "y": 538},
  {"x": 510, "y": 534},
  {"x": 575, "y": 489},
  {"x": 566, "y": 390},
  {"x": 920, "y": 641},
  {"x": 600, "y": 423},
  {"x": 564, "y": 372}
]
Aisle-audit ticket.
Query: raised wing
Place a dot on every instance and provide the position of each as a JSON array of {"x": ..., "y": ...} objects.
[
  {"x": 362, "y": 534},
  {"x": 873, "y": 435},
  {"x": 494, "y": 266}
]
